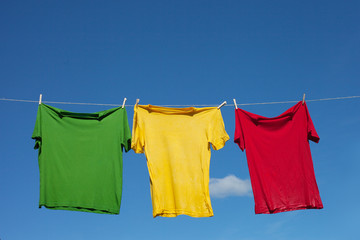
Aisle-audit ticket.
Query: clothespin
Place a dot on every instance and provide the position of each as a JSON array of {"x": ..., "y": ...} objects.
[
  {"x": 221, "y": 104},
  {"x": 235, "y": 103},
  {"x": 137, "y": 102},
  {"x": 303, "y": 99},
  {"x": 40, "y": 98},
  {"x": 123, "y": 105}
]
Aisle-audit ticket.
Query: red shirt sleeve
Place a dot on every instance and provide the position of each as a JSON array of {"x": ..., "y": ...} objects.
[
  {"x": 312, "y": 134},
  {"x": 239, "y": 134}
]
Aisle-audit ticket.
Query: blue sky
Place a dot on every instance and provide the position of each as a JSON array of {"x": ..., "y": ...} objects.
[{"x": 182, "y": 53}]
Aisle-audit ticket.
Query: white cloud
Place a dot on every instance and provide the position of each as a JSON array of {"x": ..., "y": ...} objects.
[{"x": 229, "y": 186}]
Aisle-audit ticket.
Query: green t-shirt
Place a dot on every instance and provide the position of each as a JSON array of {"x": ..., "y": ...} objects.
[{"x": 80, "y": 158}]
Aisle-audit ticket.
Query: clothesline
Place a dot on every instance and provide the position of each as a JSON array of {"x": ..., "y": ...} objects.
[{"x": 200, "y": 105}]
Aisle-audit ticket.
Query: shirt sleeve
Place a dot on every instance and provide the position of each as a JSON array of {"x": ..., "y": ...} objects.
[
  {"x": 217, "y": 133},
  {"x": 311, "y": 132},
  {"x": 37, "y": 130},
  {"x": 239, "y": 134},
  {"x": 138, "y": 138},
  {"x": 126, "y": 136}
]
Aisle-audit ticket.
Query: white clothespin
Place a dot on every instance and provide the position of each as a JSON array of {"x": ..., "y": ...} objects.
[
  {"x": 235, "y": 103},
  {"x": 303, "y": 99},
  {"x": 137, "y": 102},
  {"x": 221, "y": 104},
  {"x": 123, "y": 105},
  {"x": 40, "y": 98}
]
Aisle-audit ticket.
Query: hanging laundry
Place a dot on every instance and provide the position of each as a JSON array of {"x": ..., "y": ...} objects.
[
  {"x": 279, "y": 159},
  {"x": 80, "y": 158},
  {"x": 176, "y": 142}
]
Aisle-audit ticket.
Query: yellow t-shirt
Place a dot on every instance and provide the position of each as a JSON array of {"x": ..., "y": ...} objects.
[{"x": 176, "y": 142}]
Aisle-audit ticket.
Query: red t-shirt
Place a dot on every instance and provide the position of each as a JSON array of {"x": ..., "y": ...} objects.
[{"x": 279, "y": 159}]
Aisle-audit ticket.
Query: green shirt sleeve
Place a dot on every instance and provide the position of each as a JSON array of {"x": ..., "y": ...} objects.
[
  {"x": 37, "y": 130},
  {"x": 126, "y": 136}
]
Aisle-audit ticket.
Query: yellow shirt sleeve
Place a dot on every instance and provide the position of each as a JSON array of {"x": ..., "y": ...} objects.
[
  {"x": 217, "y": 133},
  {"x": 138, "y": 139}
]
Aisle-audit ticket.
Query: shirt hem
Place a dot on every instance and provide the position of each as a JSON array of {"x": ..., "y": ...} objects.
[
  {"x": 80, "y": 208},
  {"x": 175, "y": 213},
  {"x": 287, "y": 209}
]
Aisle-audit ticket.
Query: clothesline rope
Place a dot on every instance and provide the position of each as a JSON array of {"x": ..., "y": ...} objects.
[{"x": 200, "y": 105}]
